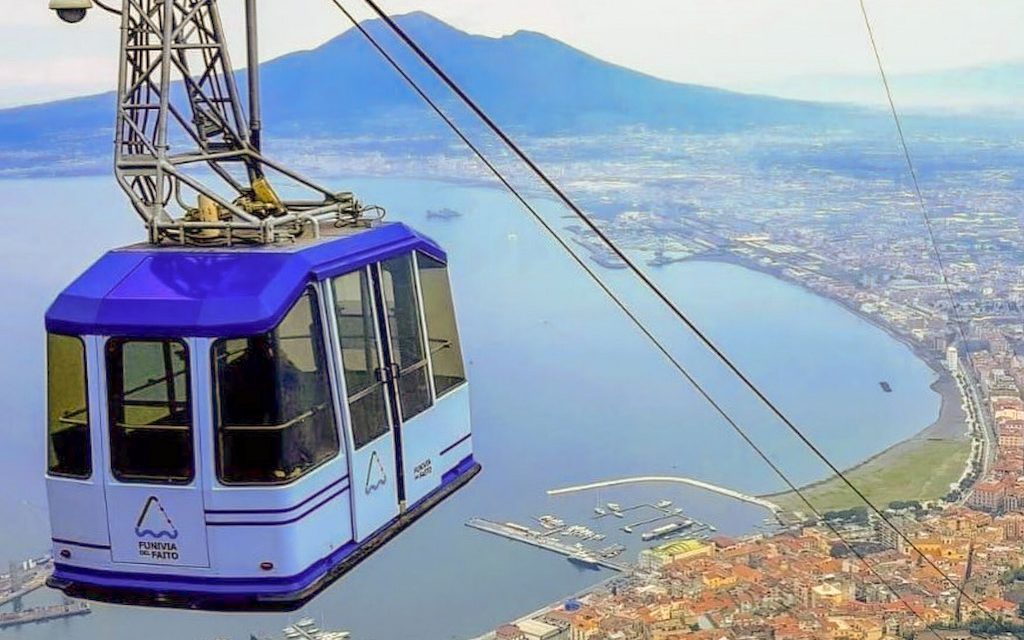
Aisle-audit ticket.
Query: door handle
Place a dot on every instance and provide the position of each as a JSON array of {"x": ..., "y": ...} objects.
[{"x": 386, "y": 374}]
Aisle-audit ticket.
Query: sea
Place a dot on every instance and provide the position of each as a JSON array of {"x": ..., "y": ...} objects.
[{"x": 565, "y": 391}]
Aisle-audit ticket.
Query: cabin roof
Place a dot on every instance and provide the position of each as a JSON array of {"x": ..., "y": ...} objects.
[{"x": 149, "y": 291}]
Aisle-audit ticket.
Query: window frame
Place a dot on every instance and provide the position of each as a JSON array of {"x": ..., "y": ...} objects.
[
  {"x": 88, "y": 408},
  {"x": 426, "y": 330},
  {"x": 345, "y": 397},
  {"x": 388, "y": 339},
  {"x": 330, "y": 405},
  {"x": 120, "y": 477}
]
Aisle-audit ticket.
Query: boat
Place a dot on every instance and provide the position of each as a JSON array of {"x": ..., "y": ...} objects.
[
  {"x": 613, "y": 506},
  {"x": 627, "y": 529},
  {"x": 663, "y": 504},
  {"x": 886, "y": 387},
  {"x": 585, "y": 559},
  {"x": 599, "y": 511},
  {"x": 664, "y": 530},
  {"x": 306, "y": 629}
]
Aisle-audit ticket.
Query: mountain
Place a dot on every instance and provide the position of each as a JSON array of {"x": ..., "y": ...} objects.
[{"x": 529, "y": 82}]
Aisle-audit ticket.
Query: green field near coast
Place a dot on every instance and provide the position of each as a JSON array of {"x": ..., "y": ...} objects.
[{"x": 917, "y": 469}]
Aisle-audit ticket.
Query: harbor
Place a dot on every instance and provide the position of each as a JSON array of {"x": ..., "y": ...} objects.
[
  {"x": 584, "y": 547},
  {"x": 22, "y": 578},
  {"x": 37, "y": 615}
]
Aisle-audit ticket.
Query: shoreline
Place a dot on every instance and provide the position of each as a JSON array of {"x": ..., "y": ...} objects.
[
  {"x": 951, "y": 423},
  {"x": 939, "y": 430}
]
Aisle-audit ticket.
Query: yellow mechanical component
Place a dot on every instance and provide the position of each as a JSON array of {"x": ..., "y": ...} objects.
[
  {"x": 266, "y": 195},
  {"x": 208, "y": 211}
]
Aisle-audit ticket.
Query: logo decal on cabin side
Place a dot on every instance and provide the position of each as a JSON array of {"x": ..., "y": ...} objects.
[
  {"x": 376, "y": 476},
  {"x": 155, "y": 524}
]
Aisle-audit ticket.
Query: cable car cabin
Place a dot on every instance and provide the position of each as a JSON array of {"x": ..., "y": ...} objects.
[{"x": 234, "y": 429}]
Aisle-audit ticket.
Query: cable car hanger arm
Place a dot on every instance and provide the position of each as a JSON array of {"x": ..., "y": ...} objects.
[{"x": 196, "y": 174}]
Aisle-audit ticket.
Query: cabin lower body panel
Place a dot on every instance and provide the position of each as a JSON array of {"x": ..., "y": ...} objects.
[{"x": 199, "y": 589}]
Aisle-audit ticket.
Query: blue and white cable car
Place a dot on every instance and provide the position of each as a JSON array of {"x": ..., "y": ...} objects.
[{"x": 236, "y": 428}]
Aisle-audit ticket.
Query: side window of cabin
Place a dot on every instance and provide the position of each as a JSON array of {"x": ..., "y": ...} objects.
[
  {"x": 69, "y": 451},
  {"x": 442, "y": 330},
  {"x": 275, "y": 421},
  {"x": 401, "y": 302},
  {"x": 150, "y": 411},
  {"x": 357, "y": 334}
]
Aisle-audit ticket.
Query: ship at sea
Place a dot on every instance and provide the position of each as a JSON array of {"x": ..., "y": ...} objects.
[{"x": 886, "y": 387}]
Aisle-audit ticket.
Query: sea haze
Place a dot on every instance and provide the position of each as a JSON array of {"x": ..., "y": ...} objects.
[{"x": 564, "y": 391}]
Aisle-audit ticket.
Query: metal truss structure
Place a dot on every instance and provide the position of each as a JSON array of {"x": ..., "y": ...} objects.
[{"x": 173, "y": 52}]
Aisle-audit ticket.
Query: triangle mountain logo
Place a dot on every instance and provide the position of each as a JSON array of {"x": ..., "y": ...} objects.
[
  {"x": 376, "y": 476},
  {"x": 154, "y": 522}
]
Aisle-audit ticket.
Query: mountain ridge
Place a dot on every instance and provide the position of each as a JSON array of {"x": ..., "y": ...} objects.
[{"x": 528, "y": 81}]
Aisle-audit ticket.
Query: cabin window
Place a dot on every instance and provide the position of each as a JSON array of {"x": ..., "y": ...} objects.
[
  {"x": 401, "y": 302},
  {"x": 442, "y": 330},
  {"x": 69, "y": 451},
  {"x": 357, "y": 335},
  {"x": 150, "y": 411},
  {"x": 275, "y": 420}
]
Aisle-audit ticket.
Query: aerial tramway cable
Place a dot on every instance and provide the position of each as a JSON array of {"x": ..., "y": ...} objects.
[
  {"x": 912, "y": 170},
  {"x": 940, "y": 263},
  {"x": 604, "y": 287},
  {"x": 650, "y": 284}
]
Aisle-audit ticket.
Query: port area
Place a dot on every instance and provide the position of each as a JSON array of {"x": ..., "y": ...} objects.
[
  {"x": 585, "y": 547},
  {"x": 549, "y": 540},
  {"x": 43, "y": 614},
  {"x": 22, "y": 579}
]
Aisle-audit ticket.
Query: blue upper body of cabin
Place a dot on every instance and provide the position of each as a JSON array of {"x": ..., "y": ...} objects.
[{"x": 158, "y": 292}]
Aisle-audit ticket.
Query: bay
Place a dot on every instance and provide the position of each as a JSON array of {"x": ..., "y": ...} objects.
[{"x": 564, "y": 391}]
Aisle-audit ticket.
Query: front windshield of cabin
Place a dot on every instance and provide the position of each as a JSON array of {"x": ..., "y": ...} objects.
[{"x": 275, "y": 421}]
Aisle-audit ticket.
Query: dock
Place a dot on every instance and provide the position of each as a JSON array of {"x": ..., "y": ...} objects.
[
  {"x": 43, "y": 614},
  {"x": 538, "y": 539},
  {"x": 24, "y": 579}
]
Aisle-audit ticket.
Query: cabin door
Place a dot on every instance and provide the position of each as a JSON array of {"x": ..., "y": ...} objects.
[
  {"x": 153, "y": 482},
  {"x": 371, "y": 436}
]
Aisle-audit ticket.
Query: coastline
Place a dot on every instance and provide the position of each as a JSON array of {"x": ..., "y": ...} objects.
[{"x": 949, "y": 427}]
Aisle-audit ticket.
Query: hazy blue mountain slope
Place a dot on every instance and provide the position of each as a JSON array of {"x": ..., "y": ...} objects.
[{"x": 528, "y": 81}]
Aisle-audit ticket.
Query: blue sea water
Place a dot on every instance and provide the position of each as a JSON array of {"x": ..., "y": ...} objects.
[{"x": 564, "y": 391}]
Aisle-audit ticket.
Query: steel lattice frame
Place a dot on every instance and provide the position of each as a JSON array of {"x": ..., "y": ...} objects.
[{"x": 172, "y": 52}]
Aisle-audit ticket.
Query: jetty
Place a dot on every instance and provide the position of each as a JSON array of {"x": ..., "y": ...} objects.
[{"x": 700, "y": 484}]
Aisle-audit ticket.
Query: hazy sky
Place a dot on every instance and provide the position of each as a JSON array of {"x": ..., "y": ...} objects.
[{"x": 738, "y": 44}]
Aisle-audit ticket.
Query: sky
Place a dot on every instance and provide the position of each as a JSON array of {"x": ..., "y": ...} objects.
[{"x": 748, "y": 45}]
